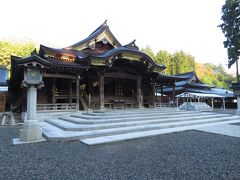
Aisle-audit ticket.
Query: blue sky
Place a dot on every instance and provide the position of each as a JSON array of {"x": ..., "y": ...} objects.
[{"x": 172, "y": 25}]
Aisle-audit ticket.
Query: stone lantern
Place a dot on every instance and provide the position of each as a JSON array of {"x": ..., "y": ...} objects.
[
  {"x": 31, "y": 130},
  {"x": 236, "y": 90}
]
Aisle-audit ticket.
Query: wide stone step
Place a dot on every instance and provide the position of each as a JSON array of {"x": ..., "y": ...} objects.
[
  {"x": 68, "y": 126},
  {"x": 121, "y": 130},
  {"x": 128, "y": 111},
  {"x": 61, "y": 135},
  {"x": 136, "y": 135},
  {"x": 126, "y": 115},
  {"x": 137, "y": 118}
]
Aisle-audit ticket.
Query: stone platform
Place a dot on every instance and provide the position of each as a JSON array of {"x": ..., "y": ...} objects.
[{"x": 118, "y": 125}]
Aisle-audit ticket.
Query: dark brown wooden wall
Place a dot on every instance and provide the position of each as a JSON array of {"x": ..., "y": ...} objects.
[{"x": 2, "y": 102}]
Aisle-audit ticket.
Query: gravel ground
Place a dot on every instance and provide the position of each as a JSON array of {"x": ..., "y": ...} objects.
[
  {"x": 182, "y": 155},
  {"x": 238, "y": 124}
]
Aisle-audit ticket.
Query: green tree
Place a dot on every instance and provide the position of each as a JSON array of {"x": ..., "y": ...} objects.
[
  {"x": 214, "y": 75},
  {"x": 182, "y": 62},
  {"x": 148, "y": 50},
  {"x": 164, "y": 57},
  {"x": 17, "y": 49},
  {"x": 231, "y": 29}
]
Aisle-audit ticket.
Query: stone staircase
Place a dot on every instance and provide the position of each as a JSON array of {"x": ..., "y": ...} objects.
[{"x": 104, "y": 127}]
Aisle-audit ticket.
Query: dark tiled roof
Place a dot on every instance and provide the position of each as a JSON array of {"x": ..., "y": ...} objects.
[
  {"x": 50, "y": 62},
  {"x": 70, "y": 52},
  {"x": 197, "y": 85},
  {"x": 217, "y": 91},
  {"x": 171, "y": 77},
  {"x": 187, "y": 75},
  {"x": 193, "y": 84},
  {"x": 3, "y": 83}
]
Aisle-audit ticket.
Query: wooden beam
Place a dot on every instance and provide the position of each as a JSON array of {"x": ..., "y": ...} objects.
[
  {"x": 64, "y": 76},
  {"x": 121, "y": 75}
]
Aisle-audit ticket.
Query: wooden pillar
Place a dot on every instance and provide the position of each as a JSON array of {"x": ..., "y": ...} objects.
[
  {"x": 161, "y": 93},
  {"x": 53, "y": 90},
  {"x": 77, "y": 93},
  {"x": 139, "y": 92},
  {"x": 153, "y": 94},
  {"x": 101, "y": 91},
  {"x": 70, "y": 90},
  {"x": 174, "y": 95}
]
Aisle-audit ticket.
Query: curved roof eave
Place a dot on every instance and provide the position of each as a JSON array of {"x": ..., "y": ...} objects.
[
  {"x": 122, "y": 49},
  {"x": 164, "y": 76},
  {"x": 48, "y": 63}
]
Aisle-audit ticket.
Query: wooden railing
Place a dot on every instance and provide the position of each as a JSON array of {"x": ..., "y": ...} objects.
[
  {"x": 56, "y": 107},
  {"x": 64, "y": 94},
  {"x": 113, "y": 102},
  {"x": 164, "y": 105}
]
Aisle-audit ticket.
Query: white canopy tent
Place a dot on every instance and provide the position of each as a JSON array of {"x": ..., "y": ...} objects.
[{"x": 201, "y": 95}]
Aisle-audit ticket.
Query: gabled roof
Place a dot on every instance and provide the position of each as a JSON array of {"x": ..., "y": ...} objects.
[
  {"x": 101, "y": 33},
  {"x": 192, "y": 80},
  {"x": 100, "y": 48}
]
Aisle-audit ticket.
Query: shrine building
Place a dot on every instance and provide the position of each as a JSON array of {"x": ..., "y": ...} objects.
[{"x": 95, "y": 73}]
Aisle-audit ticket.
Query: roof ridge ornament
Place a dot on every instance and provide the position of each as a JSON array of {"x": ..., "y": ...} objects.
[
  {"x": 105, "y": 23},
  {"x": 132, "y": 45},
  {"x": 34, "y": 52}
]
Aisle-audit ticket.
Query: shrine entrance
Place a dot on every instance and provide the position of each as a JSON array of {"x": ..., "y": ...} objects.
[{"x": 120, "y": 93}]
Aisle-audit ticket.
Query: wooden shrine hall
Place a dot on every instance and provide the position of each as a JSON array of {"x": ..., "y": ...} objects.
[{"x": 95, "y": 73}]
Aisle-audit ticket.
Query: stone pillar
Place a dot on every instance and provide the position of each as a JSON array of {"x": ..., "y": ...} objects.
[
  {"x": 70, "y": 90},
  {"x": 139, "y": 92},
  {"x": 101, "y": 91},
  {"x": 31, "y": 130},
  {"x": 238, "y": 105},
  {"x": 212, "y": 103},
  {"x": 77, "y": 93},
  {"x": 224, "y": 104}
]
